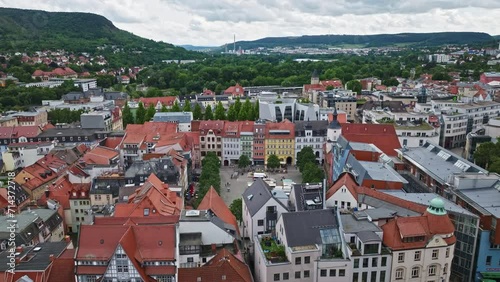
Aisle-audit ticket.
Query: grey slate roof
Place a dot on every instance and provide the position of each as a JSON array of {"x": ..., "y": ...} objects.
[
  {"x": 257, "y": 195},
  {"x": 368, "y": 236},
  {"x": 41, "y": 258},
  {"x": 303, "y": 228},
  {"x": 319, "y": 127},
  {"x": 351, "y": 225},
  {"x": 180, "y": 117}
]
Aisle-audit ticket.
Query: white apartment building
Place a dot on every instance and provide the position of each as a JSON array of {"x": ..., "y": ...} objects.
[
  {"x": 311, "y": 134},
  {"x": 231, "y": 143},
  {"x": 19, "y": 155}
]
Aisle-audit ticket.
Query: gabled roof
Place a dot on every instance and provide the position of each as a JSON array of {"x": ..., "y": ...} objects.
[
  {"x": 285, "y": 126},
  {"x": 212, "y": 201},
  {"x": 63, "y": 267},
  {"x": 381, "y": 135},
  {"x": 153, "y": 195},
  {"x": 345, "y": 179},
  {"x": 100, "y": 155},
  {"x": 427, "y": 226},
  {"x": 167, "y": 101},
  {"x": 222, "y": 264},
  {"x": 257, "y": 195}
]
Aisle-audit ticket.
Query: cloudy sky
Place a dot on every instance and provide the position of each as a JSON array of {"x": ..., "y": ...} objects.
[{"x": 213, "y": 22}]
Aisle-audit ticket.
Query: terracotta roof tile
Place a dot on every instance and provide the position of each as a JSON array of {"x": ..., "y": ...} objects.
[
  {"x": 222, "y": 264},
  {"x": 63, "y": 267},
  {"x": 113, "y": 142},
  {"x": 381, "y": 135},
  {"x": 212, "y": 201},
  {"x": 284, "y": 125},
  {"x": 100, "y": 155}
]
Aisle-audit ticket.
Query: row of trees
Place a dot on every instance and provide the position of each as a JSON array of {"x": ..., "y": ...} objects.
[
  {"x": 307, "y": 164},
  {"x": 237, "y": 111},
  {"x": 210, "y": 176},
  {"x": 64, "y": 116}
]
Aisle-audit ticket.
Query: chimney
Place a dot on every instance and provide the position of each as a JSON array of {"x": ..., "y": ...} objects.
[
  {"x": 67, "y": 239},
  {"x": 47, "y": 193},
  {"x": 52, "y": 258}
]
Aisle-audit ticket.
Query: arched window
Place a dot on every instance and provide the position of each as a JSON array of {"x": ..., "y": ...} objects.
[
  {"x": 415, "y": 272},
  {"x": 400, "y": 273}
]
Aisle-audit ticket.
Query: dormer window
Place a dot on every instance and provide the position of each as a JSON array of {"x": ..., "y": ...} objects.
[{"x": 74, "y": 194}]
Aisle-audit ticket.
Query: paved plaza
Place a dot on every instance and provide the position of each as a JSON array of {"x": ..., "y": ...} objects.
[{"x": 237, "y": 186}]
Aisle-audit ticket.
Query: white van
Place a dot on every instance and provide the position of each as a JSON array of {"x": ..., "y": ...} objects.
[{"x": 259, "y": 175}]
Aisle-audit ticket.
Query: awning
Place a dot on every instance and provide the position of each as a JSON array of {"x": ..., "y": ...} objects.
[{"x": 491, "y": 275}]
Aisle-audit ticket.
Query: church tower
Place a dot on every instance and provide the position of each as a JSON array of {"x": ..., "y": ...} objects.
[{"x": 315, "y": 77}]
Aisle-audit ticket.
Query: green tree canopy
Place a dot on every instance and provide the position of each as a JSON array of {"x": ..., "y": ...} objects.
[
  {"x": 220, "y": 112},
  {"x": 244, "y": 161},
  {"x": 151, "y": 111},
  {"x": 305, "y": 156},
  {"x": 140, "y": 114},
  {"x": 354, "y": 86},
  {"x": 127, "y": 116},
  {"x": 176, "y": 108},
  {"x": 312, "y": 173},
  {"x": 163, "y": 109},
  {"x": 236, "y": 208},
  {"x": 208, "y": 113},
  {"x": 486, "y": 153},
  {"x": 187, "y": 106},
  {"x": 197, "y": 113},
  {"x": 273, "y": 162},
  {"x": 390, "y": 82}
]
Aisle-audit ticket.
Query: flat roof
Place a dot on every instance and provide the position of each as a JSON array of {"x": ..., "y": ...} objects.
[
  {"x": 425, "y": 199},
  {"x": 364, "y": 147},
  {"x": 380, "y": 171},
  {"x": 353, "y": 225},
  {"x": 486, "y": 198}
]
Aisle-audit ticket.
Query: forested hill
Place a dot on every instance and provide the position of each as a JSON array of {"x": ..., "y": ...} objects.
[
  {"x": 377, "y": 40},
  {"x": 33, "y": 30}
]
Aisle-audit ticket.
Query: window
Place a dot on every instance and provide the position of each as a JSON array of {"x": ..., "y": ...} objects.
[
  {"x": 122, "y": 266},
  {"x": 399, "y": 274},
  {"x": 223, "y": 277},
  {"x": 146, "y": 212},
  {"x": 306, "y": 273},
  {"x": 432, "y": 270},
  {"x": 447, "y": 252},
  {"x": 298, "y": 260},
  {"x": 364, "y": 276},
  {"x": 307, "y": 260},
  {"x": 373, "y": 276},
  {"x": 342, "y": 272},
  {"x": 488, "y": 260},
  {"x": 276, "y": 277},
  {"x": 355, "y": 277},
  {"x": 356, "y": 263},
  {"x": 401, "y": 257},
  {"x": 322, "y": 273},
  {"x": 445, "y": 268},
  {"x": 190, "y": 259},
  {"x": 365, "y": 262},
  {"x": 382, "y": 276},
  {"x": 286, "y": 276},
  {"x": 415, "y": 272},
  {"x": 374, "y": 262},
  {"x": 384, "y": 261},
  {"x": 333, "y": 272},
  {"x": 260, "y": 222},
  {"x": 435, "y": 254},
  {"x": 417, "y": 255},
  {"x": 297, "y": 274}
]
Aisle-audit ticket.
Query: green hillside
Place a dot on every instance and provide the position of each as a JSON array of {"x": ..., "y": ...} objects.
[
  {"x": 377, "y": 40},
  {"x": 32, "y": 30}
]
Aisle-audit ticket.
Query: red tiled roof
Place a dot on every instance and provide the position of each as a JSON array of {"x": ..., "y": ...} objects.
[
  {"x": 157, "y": 220},
  {"x": 63, "y": 267},
  {"x": 113, "y": 142},
  {"x": 345, "y": 179},
  {"x": 341, "y": 117},
  {"x": 99, "y": 242},
  {"x": 232, "y": 129},
  {"x": 153, "y": 195},
  {"x": 222, "y": 264},
  {"x": 335, "y": 83},
  {"x": 235, "y": 90},
  {"x": 381, "y": 135},
  {"x": 316, "y": 87},
  {"x": 149, "y": 132},
  {"x": 247, "y": 126},
  {"x": 90, "y": 269},
  {"x": 215, "y": 125},
  {"x": 212, "y": 201},
  {"x": 284, "y": 125},
  {"x": 100, "y": 155},
  {"x": 425, "y": 225},
  {"x": 167, "y": 101}
]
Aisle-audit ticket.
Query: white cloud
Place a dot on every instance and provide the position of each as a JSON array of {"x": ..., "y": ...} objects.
[{"x": 214, "y": 22}]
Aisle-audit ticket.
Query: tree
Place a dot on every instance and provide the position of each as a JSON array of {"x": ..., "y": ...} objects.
[
  {"x": 244, "y": 161},
  {"x": 175, "y": 108},
  {"x": 273, "y": 162},
  {"x": 150, "y": 113},
  {"x": 237, "y": 106},
  {"x": 246, "y": 111},
  {"x": 208, "y": 113},
  {"x": 140, "y": 114},
  {"x": 163, "y": 109},
  {"x": 486, "y": 153},
  {"x": 127, "y": 116},
  {"x": 390, "y": 82},
  {"x": 187, "y": 106},
  {"x": 232, "y": 115},
  {"x": 305, "y": 156},
  {"x": 312, "y": 173},
  {"x": 236, "y": 208},
  {"x": 354, "y": 86},
  {"x": 256, "y": 110},
  {"x": 197, "y": 114},
  {"x": 220, "y": 112}
]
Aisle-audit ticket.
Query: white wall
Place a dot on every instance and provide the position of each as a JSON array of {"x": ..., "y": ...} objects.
[
  {"x": 251, "y": 225},
  {"x": 342, "y": 195},
  {"x": 210, "y": 233}
]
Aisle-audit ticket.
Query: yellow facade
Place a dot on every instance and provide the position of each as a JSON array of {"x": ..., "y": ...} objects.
[{"x": 283, "y": 148}]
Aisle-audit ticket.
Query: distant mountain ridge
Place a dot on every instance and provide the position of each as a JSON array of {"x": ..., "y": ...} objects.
[
  {"x": 34, "y": 30},
  {"x": 376, "y": 40}
]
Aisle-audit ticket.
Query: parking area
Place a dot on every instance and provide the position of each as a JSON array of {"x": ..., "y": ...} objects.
[{"x": 238, "y": 185}]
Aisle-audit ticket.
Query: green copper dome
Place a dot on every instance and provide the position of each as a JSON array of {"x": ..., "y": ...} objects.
[{"x": 436, "y": 207}]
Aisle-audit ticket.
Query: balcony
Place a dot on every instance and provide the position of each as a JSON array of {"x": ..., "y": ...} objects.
[{"x": 273, "y": 252}]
